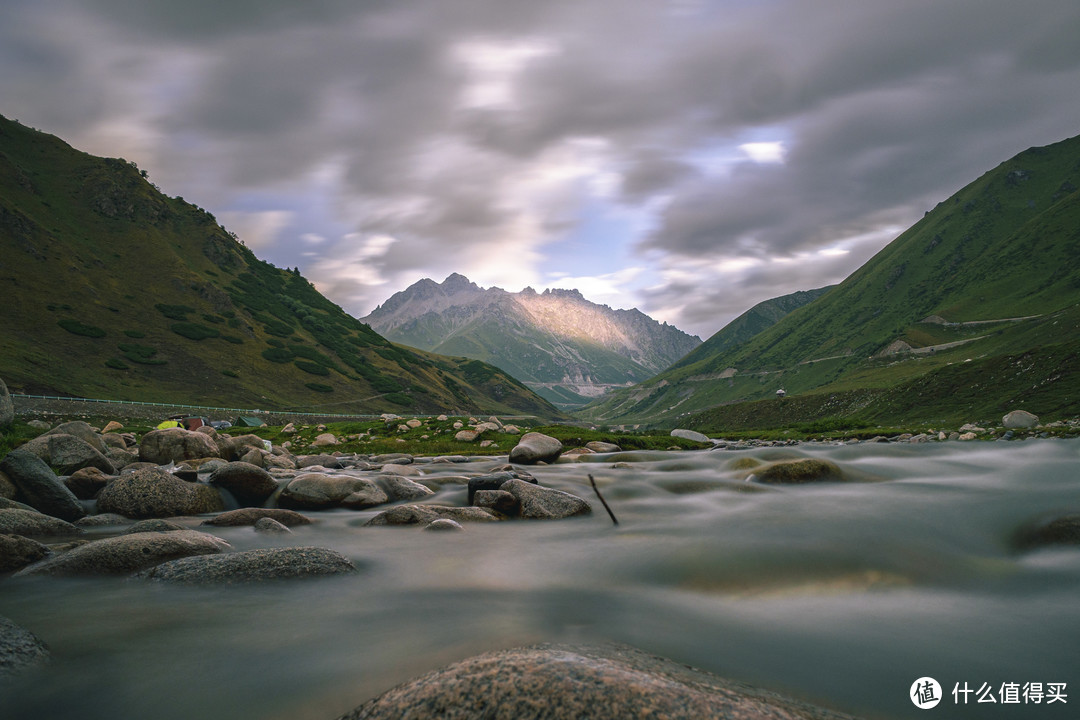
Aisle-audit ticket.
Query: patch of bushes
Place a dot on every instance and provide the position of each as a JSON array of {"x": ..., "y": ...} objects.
[
  {"x": 310, "y": 367},
  {"x": 116, "y": 364},
  {"x": 174, "y": 312},
  {"x": 77, "y": 328},
  {"x": 278, "y": 355},
  {"x": 318, "y": 387},
  {"x": 230, "y": 373},
  {"x": 193, "y": 331},
  {"x": 136, "y": 334},
  {"x": 213, "y": 319},
  {"x": 235, "y": 340},
  {"x": 278, "y": 329},
  {"x": 140, "y": 354}
]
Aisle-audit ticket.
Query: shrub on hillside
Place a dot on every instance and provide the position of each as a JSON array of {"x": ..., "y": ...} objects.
[{"x": 77, "y": 328}]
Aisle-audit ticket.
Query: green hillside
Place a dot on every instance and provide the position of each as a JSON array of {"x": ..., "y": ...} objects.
[
  {"x": 113, "y": 290},
  {"x": 992, "y": 272}
]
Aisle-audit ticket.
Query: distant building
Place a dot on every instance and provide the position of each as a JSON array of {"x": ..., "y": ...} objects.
[{"x": 781, "y": 393}]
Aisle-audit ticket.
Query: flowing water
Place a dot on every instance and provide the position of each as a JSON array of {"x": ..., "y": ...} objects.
[{"x": 843, "y": 594}]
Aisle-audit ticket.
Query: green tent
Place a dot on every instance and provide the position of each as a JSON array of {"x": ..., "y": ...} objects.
[{"x": 249, "y": 421}]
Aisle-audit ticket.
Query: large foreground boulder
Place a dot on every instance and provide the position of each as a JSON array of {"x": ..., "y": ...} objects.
[
  {"x": 253, "y": 566},
  {"x": 154, "y": 493},
  {"x": 798, "y": 472},
  {"x": 17, "y": 552},
  {"x": 29, "y": 523},
  {"x": 126, "y": 554},
  {"x": 314, "y": 491},
  {"x": 20, "y": 649},
  {"x": 39, "y": 486},
  {"x": 539, "y": 502},
  {"x": 68, "y": 453},
  {"x": 83, "y": 431},
  {"x": 536, "y": 447},
  {"x": 566, "y": 682},
  {"x": 162, "y": 447}
]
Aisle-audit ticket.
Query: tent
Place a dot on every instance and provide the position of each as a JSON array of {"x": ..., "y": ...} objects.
[
  {"x": 248, "y": 421},
  {"x": 168, "y": 424}
]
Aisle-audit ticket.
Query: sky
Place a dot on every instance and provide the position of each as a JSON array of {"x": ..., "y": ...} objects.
[{"x": 686, "y": 157}]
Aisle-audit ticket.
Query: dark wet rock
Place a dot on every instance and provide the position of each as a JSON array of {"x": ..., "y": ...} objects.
[
  {"x": 402, "y": 488},
  {"x": 249, "y": 484},
  {"x": 567, "y": 682},
  {"x": 314, "y": 491},
  {"x": 795, "y": 472},
  {"x": 153, "y": 525},
  {"x": 539, "y": 502},
  {"x": 443, "y": 525},
  {"x": 67, "y": 453},
  {"x": 536, "y": 447},
  {"x": 497, "y": 500},
  {"x": 1044, "y": 532},
  {"x": 102, "y": 520},
  {"x": 20, "y": 649},
  {"x": 85, "y": 484},
  {"x": 330, "y": 462},
  {"x": 7, "y": 488},
  {"x": 602, "y": 447},
  {"x": 254, "y": 566},
  {"x": 152, "y": 492},
  {"x": 16, "y": 552},
  {"x": 427, "y": 514},
  {"x": 490, "y": 481},
  {"x": 127, "y": 554},
  {"x": 162, "y": 447},
  {"x": 39, "y": 486},
  {"x": 234, "y": 448},
  {"x": 270, "y": 526},
  {"x": 250, "y": 516}
]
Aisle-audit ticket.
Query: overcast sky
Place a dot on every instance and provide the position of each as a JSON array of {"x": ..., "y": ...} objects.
[{"x": 688, "y": 157}]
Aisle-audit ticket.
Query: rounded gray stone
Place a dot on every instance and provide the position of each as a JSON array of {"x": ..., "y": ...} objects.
[
  {"x": 127, "y": 554},
  {"x": 20, "y": 649},
  {"x": 536, "y": 447},
  {"x": 248, "y": 483},
  {"x": 253, "y": 566},
  {"x": 16, "y": 552},
  {"x": 250, "y": 516},
  {"x": 270, "y": 526},
  {"x": 152, "y": 492},
  {"x": 39, "y": 485},
  {"x": 34, "y": 524},
  {"x": 543, "y": 503}
]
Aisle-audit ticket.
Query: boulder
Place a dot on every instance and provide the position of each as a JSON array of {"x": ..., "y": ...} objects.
[
  {"x": 602, "y": 447},
  {"x": 536, "y": 447},
  {"x": 20, "y": 649},
  {"x": 488, "y": 427},
  {"x": 30, "y": 523},
  {"x": 83, "y": 431},
  {"x": 126, "y": 554},
  {"x": 413, "y": 423},
  {"x": 270, "y": 526},
  {"x": 289, "y": 429},
  {"x": 966, "y": 436},
  {"x": 85, "y": 484},
  {"x": 1020, "y": 419},
  {"x": 566, "y": 682},
  {"x": 511, "y": 429},
  {"x": 490, "y": 481},
  {"x": 121, "y": 458},
  {"x": 101, "y": 520},
  {"x": 249, "y": 484},
  {"x": 68, "y": 453},
  {"x": 395, "y": 458},
  {"x": 114, "y": 440},
  {"x": 253, "y": 566},
  {"x": 401, "y": 470},
  {"x": 250, "y": 516},
  {"x": 443, "y": 525},
  {"x": 39, "y": 486},
  {"x": 1048, "y": 531},
  {"x": 324, "y": 440},
  {"x": 466, "y": 435},
  {"x": 401, "y": 488},
  {"x": 427, "y": 514},
  {"x": 330, "y": 462},
  {"x": 539, "y": 502},
  {"x": 7, "y": 488},
  {"x": 500, "y": 501},
  {"x": 16, "y": 552},
  {"x": 162, "y": 447},
  {"x": 234, "y": 448},
  {"x": 152, "y": 492},
  {"x": 313, "y": 491},
  {"x": 691, "y": 435},
  {"x": 153, "y": 525},
  {"x": 802, "y": 470},
  {"x": 112, "y": 426},
  {"x": 7, "y": 408}
]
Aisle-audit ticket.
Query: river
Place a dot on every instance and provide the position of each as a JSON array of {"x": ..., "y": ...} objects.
[{"x": 842, "y": 594}]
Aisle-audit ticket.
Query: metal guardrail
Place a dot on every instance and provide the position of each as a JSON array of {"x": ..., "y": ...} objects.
[{"x": 219, "y": 409}]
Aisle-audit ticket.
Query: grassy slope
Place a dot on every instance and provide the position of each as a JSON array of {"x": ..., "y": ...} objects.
[
  {"x": 1002, "y": 247},
  {"x": 91, "y": 246}
]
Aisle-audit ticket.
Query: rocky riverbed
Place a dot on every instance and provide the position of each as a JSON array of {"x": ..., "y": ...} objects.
[{"x": 178, "y": 579}]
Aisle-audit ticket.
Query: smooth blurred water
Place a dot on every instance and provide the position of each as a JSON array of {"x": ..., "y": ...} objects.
[{"x": 842, "y": 594}]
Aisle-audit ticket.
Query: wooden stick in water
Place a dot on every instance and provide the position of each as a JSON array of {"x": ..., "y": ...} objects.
[{"x": 602, "y": 501}]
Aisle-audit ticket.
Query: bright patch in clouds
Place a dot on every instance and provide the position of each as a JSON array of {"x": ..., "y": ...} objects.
[
  {"x": 493, "y": 67},
  {"x": 764, "y": 152}
]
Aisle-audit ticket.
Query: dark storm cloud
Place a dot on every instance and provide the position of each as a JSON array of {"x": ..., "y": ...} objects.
[{"x": 883, "y": 108}]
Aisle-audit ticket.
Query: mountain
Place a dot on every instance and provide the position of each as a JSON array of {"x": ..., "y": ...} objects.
[
  {"x": 564, "y": 347},
  {"x": 989, "y": 276},
  {"x": 113, "y": 290}
]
